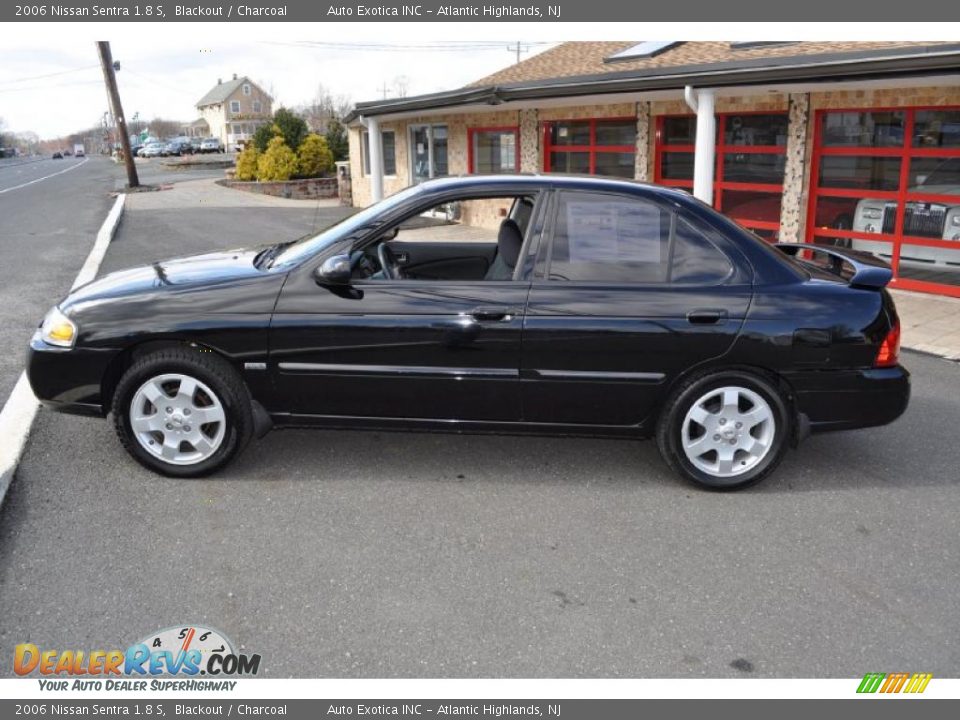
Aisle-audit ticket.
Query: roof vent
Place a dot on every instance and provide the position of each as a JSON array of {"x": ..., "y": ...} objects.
[
  {"x": 643, "y": 50},
  {"x": 219, "y": 81},
  {"x": 755, "y": 44},
  {"x": 234, "y": 76}
]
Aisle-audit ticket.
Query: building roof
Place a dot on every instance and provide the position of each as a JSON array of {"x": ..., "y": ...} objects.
[
  {"x": 584, "y": 68},
  {"x": 222, "y": 90},
  {"x": 571, "y": 59}
]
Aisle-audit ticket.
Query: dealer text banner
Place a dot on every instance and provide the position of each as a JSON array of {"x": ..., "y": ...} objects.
[
  {"x": 433, "y": 11},
  {"x": 475, "y": 709}
]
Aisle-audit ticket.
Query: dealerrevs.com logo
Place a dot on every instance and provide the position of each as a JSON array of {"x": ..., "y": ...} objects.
[{"x": 186, "y": 651}]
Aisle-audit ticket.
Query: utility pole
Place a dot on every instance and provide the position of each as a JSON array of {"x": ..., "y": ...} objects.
[
  {"x": 110, "y": 78},
  {"x": 384, "y": 89},
  {"x": 518, "y": 48}
]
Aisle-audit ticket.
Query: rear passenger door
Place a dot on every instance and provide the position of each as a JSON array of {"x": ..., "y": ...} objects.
[{"x": 628, "y": 292}]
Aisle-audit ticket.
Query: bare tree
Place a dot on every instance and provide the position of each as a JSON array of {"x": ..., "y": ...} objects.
[
  {"x": 324, "y": 107},
  {"x": 163, "y": 128},
  {"x": 401, "y": 85}
]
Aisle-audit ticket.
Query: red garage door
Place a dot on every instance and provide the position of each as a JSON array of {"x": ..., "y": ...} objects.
[
  {"x": 751, "y": 154},
  {"x": 888, "y": 181}
]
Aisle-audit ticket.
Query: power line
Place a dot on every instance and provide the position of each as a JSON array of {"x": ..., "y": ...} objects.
[
  {"x": 389, "y": 47},
  {"x": 47, "y": 75}
]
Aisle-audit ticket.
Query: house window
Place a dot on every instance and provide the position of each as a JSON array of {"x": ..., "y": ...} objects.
[
  {"x": 493, "y": 151},
  {"x": 751, "y": 158},
  {"x": 388, "y": 152},
  {"x": 595, "y": 147},
  {"x": 234, "y": 106},
  {"x": 428, "y": 142},
  {"x": 257, "y": 106},
  {"x": 246, "y": 89},
  {"x": 887, "y": 182}
]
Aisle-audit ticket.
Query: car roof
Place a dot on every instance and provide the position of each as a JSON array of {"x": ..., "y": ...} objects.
[{"x": 541, "y": 180}]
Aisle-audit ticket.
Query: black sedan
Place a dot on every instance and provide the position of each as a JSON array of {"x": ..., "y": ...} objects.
[{"x": 508, "y": 304}]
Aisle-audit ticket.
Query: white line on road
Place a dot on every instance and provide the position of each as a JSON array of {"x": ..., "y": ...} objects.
[
  {"x": 17, "y": 415},
  {"x": 45, "y": 177}
]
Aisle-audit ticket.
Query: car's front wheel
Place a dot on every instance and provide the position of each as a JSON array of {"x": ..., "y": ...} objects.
[
  {"x": 725, "y": 430},
  {"x": 182, "y": 412}
]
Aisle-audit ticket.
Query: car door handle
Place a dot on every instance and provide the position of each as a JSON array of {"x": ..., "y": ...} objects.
[
  {"x": 493, "y": 314},
  {"x": 706, "y": 317}
]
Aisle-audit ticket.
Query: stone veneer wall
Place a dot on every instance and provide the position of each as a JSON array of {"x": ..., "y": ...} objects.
[
  {"x": 642, "y": 166},
  {"x": 792, "y": 208}
]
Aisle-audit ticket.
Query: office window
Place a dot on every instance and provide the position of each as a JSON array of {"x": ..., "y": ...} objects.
[
  {"x": 493, "y": 151},
  {"x": 388, "y": 151}
]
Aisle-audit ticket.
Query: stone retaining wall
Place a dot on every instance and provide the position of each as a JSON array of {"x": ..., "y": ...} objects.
[{"x": 309, "y": 189}]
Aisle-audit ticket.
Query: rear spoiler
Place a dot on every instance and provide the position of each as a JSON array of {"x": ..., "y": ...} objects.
[{"x": 869, "y": 271}]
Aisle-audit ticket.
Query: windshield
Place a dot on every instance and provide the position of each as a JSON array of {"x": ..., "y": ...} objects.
[
  {"x": 312, "y": 244},
  {"x": 946, "y": 173}
]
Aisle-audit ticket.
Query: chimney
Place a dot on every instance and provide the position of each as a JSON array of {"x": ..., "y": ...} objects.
[
  {"x": 219, "y": 81},
  {"x": 234, "y": 76}
]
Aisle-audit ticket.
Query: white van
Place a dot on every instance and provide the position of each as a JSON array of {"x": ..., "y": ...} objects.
[{"x": 78, "y": 150}]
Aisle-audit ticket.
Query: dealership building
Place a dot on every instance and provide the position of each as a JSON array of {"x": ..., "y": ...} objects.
[{"x": 855, "y": 144}]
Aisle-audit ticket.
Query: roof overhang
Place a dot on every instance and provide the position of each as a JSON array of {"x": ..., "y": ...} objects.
[{"x": 933, "y": 60}]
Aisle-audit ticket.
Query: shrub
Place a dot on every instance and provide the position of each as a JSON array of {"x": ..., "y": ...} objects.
[
  {"x": 292, "y": 127},
  {"x": 247, "y": 163},
  {"x": 263, "y": 135},
  {"x": 337, "y": 141},
  {"x": 277, "y": 163},
  {"x": 314, "y": 158}
]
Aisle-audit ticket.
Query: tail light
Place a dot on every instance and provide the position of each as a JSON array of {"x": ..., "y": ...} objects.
[{"x": 889, "y": 352}]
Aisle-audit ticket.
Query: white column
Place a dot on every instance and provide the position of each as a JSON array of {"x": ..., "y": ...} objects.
[
  {"x": 704, "y": 159},
  {"x": 376, "y": 159}
]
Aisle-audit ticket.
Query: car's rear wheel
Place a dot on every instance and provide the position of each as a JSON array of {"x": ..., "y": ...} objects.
[
  {"x": 182, "y": 412},
  {"x": 724, "y": 430}
]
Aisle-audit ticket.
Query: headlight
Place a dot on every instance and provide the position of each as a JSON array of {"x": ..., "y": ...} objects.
[
  {"x": 956, "y": 220},
  {"x": 872, "y": 213},
  {"x": 57, "y": 329}
]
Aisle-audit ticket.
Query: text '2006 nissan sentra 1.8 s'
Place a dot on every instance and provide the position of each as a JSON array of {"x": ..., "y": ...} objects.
[{"x": 534, "y": 304}]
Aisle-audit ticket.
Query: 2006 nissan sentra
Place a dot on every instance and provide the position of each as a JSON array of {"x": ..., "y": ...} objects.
[{"x": 509, "y": 304}]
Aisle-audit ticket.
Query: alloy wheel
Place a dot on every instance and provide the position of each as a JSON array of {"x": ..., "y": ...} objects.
[
  {"x": 178, "y": 419},
  {"x": 728, "y": 431}
]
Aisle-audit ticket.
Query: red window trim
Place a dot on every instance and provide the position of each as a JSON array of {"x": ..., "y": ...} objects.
[
  {"x": 721, "y": 149},
  {"x": 904, "y": 152},
  {"x": 471, "y": 132},
  {"x": 592, "y": 148}
]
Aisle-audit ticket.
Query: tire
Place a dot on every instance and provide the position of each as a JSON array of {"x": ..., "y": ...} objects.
[
  {"x": 165, "y": 441},
  {"x": 726, "y": 452}
]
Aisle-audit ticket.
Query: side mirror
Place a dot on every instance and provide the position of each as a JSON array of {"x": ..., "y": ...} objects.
[{"x": 335, "y": 270}]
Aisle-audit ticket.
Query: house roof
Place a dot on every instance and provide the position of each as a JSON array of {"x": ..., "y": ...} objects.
[
  {"x": 222, "y": 90},
  {"x": 582, "y": 68},
  {"x": 571, "y": 59}
]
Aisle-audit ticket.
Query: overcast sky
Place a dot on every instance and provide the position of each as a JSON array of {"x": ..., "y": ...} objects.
[{"x": 162, "y": 76}]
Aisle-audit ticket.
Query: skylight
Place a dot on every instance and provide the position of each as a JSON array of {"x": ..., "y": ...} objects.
[{"x": 643, "y": 50}]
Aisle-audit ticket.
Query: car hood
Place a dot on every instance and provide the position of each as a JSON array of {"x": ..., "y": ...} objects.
[{"x": 208, "y": 269}]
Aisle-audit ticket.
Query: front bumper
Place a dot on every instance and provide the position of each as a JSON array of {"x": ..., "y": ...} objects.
[
  {"x": 848, "y": 400},
  {"x": 68, "y": 379}
]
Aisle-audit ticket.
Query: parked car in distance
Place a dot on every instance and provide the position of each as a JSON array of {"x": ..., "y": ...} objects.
[
  {"x": 196, "y": 145},
  {"x": 596, "y": 307},
  {"x": 178, "y": 147},
  {"x": 154, "y": 149},
  {"x": 211, "y": 145},
  {"x": 57, "y": 155},
  {"x": 938, "y": 220}
]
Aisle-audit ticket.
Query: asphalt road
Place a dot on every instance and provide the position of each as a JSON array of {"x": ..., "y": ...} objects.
[
  {"x": 46, "y": 230},
  {"x": 378, "y": 555}
]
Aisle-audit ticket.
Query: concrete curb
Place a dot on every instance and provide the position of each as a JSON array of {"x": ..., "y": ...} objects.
[{"x": 20, "y": 410}]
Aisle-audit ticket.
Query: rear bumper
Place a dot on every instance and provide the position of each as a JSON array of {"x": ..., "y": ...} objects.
[
  {"x": 67, "y": 379},
  {"x": 852, "y": 399}
]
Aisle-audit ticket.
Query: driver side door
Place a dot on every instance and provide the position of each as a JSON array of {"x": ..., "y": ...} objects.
[{"x": 409, "y": 349}]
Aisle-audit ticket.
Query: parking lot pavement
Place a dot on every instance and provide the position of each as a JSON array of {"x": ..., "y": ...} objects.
[
  {"x": 367, "y": 554},
  {"x": 50, "y": 211},
  {"x": 378, "y": 554}
]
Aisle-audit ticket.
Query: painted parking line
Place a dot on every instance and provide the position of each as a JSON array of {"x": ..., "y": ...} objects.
[
  {"x": 20, "y": 410},
  {"x": 45, "y": 177}
]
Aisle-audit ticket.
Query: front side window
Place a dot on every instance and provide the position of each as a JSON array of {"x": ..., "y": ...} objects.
[
  {"x": 257, "y": 106},
  {"x": 388, "y": 152},
  {"x": 494, "y": 151},
  {"x": 234, "y": 106},
  {"x": 246, "y": 89},
  {"x": 619, "y": 239}
]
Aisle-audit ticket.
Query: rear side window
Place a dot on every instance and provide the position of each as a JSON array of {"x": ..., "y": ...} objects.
[{"x": 609, "y": 238}]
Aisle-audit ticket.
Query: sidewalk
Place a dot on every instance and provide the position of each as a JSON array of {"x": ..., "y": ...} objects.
[
  {"x": 205, "y": 193},
  {"x": 930, "y": 323}
]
